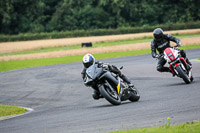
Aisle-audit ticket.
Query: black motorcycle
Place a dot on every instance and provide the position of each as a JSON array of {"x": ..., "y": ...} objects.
[{"x": 109, "y": 85}]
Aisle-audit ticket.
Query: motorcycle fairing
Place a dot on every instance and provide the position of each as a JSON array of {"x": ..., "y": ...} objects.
[
  {"x": 170, "y": 67},
  {"x": 183, "y": 60},
  {"x": 92, "y": 71},
  {"x": 118, "y": 86},
  {"x": 115, "y": 82},
  {"x": 169, "y": 53}
]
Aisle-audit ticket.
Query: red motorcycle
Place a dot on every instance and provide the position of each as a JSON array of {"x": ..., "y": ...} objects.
[{"x": 178, "y": 65}]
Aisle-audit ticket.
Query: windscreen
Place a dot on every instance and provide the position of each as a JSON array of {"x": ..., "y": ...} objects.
[
  {"x": 94, "y": 71},
  {"x": 91, "y": 71}
]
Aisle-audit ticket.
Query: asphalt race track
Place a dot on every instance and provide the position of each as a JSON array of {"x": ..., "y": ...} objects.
[{"x": 62, "y": 104}]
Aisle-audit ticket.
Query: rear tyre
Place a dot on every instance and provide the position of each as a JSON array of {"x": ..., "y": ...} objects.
[
  {"x": 135, "y": 96},
  {"x": 110, "y": 96},
  {"x": 182, "y": 74}
]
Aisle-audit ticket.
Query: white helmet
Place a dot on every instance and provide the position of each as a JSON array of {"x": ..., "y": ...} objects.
[{"x": 88, "y": 60}]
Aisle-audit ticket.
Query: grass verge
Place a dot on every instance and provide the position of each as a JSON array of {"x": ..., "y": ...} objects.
[
  {"x": 7, "y": 110},
  {"x": 183, "y": 128},
  {"x": 19, "y": 64}
]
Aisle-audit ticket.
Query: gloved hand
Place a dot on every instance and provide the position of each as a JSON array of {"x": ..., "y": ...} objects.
[
  {"x": 175, "y": 47},
  {"x": 105, "y": 65},
  {"x": 157, "y": 56},
  {"x": 178, "y": 44}
]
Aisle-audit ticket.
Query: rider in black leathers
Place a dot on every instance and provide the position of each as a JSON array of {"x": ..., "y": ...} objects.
[
  {"x": 161, "y": 42},
  {"x": 96, "y": 95}
]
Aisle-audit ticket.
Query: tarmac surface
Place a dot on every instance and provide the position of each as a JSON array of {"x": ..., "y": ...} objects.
[{"x": 62, "y": 104}]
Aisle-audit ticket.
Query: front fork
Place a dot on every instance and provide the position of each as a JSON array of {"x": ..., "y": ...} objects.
[
  {"x": 181, "y": 62},
  {"x": 119, "y": 88}
]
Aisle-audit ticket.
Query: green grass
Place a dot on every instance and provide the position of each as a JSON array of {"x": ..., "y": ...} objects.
[
  {"x": 6, "y": 110},
  {"x": 190, "y": 47},
  {"x": 19, "y": 64},
  {"x": 186, "y": 35},
  {"x": 183, "y": 128},
  {"x": 99, "y": 44}
]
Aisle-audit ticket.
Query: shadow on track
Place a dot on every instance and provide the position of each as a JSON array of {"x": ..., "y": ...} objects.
[
  {"x": 177, "y": 84},
  {"x": 110, "y": 105},
  {"x": 196, "y": 80}
]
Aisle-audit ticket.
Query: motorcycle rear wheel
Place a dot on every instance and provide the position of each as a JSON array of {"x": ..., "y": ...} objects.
[
  {"x": 183, "y": 75},
  {"x": 106, "y": 93},
  {"x": 135, "y": 96}
]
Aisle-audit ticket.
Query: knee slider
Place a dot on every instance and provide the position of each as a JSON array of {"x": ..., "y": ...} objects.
[
  {"x": 183, "y": 54},
  {"x": 159, "y": 68}
]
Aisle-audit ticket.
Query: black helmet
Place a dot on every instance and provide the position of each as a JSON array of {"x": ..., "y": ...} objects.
[{"x": 158, "y": 34}]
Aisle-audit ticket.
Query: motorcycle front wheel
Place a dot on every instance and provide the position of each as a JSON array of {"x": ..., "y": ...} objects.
[
  {"x": 109, "y": 95},
  {"x": 182, "y": 74}
]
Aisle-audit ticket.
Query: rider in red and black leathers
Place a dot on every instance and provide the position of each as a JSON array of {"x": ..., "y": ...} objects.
[{"x": 161, "y": 42}]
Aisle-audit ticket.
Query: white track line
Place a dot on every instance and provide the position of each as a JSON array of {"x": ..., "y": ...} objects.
[{"x": 195, "y": 60}]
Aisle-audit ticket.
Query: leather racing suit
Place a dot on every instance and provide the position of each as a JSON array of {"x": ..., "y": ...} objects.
[{"x": 161, "y": 45}]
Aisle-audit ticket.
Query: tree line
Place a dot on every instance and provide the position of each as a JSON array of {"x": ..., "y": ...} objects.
[{"x": 36, "y": 16}]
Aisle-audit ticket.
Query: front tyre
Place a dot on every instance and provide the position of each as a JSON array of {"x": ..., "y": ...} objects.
[
  {"x": 109, "y": 95},
  {"x": 182, "y": 74}
]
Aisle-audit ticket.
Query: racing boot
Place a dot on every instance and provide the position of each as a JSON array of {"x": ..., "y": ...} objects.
[
  {"x": 96, "y": 95},
  {"x": 125, "y": 79},
  {"x": 173, "y": 74}
]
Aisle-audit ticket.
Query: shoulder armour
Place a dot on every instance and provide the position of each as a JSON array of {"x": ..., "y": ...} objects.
[{"x": 167, "y": 35}]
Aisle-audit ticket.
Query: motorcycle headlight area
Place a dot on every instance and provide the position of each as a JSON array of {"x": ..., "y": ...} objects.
[
  {"x": 174, "y": 61},
  {"x": 170, "y": 55}
]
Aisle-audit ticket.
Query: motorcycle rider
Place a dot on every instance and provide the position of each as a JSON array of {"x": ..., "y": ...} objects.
[
  {"x": 160, "y": 42},
  {"x": 89, "y": 60}
]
